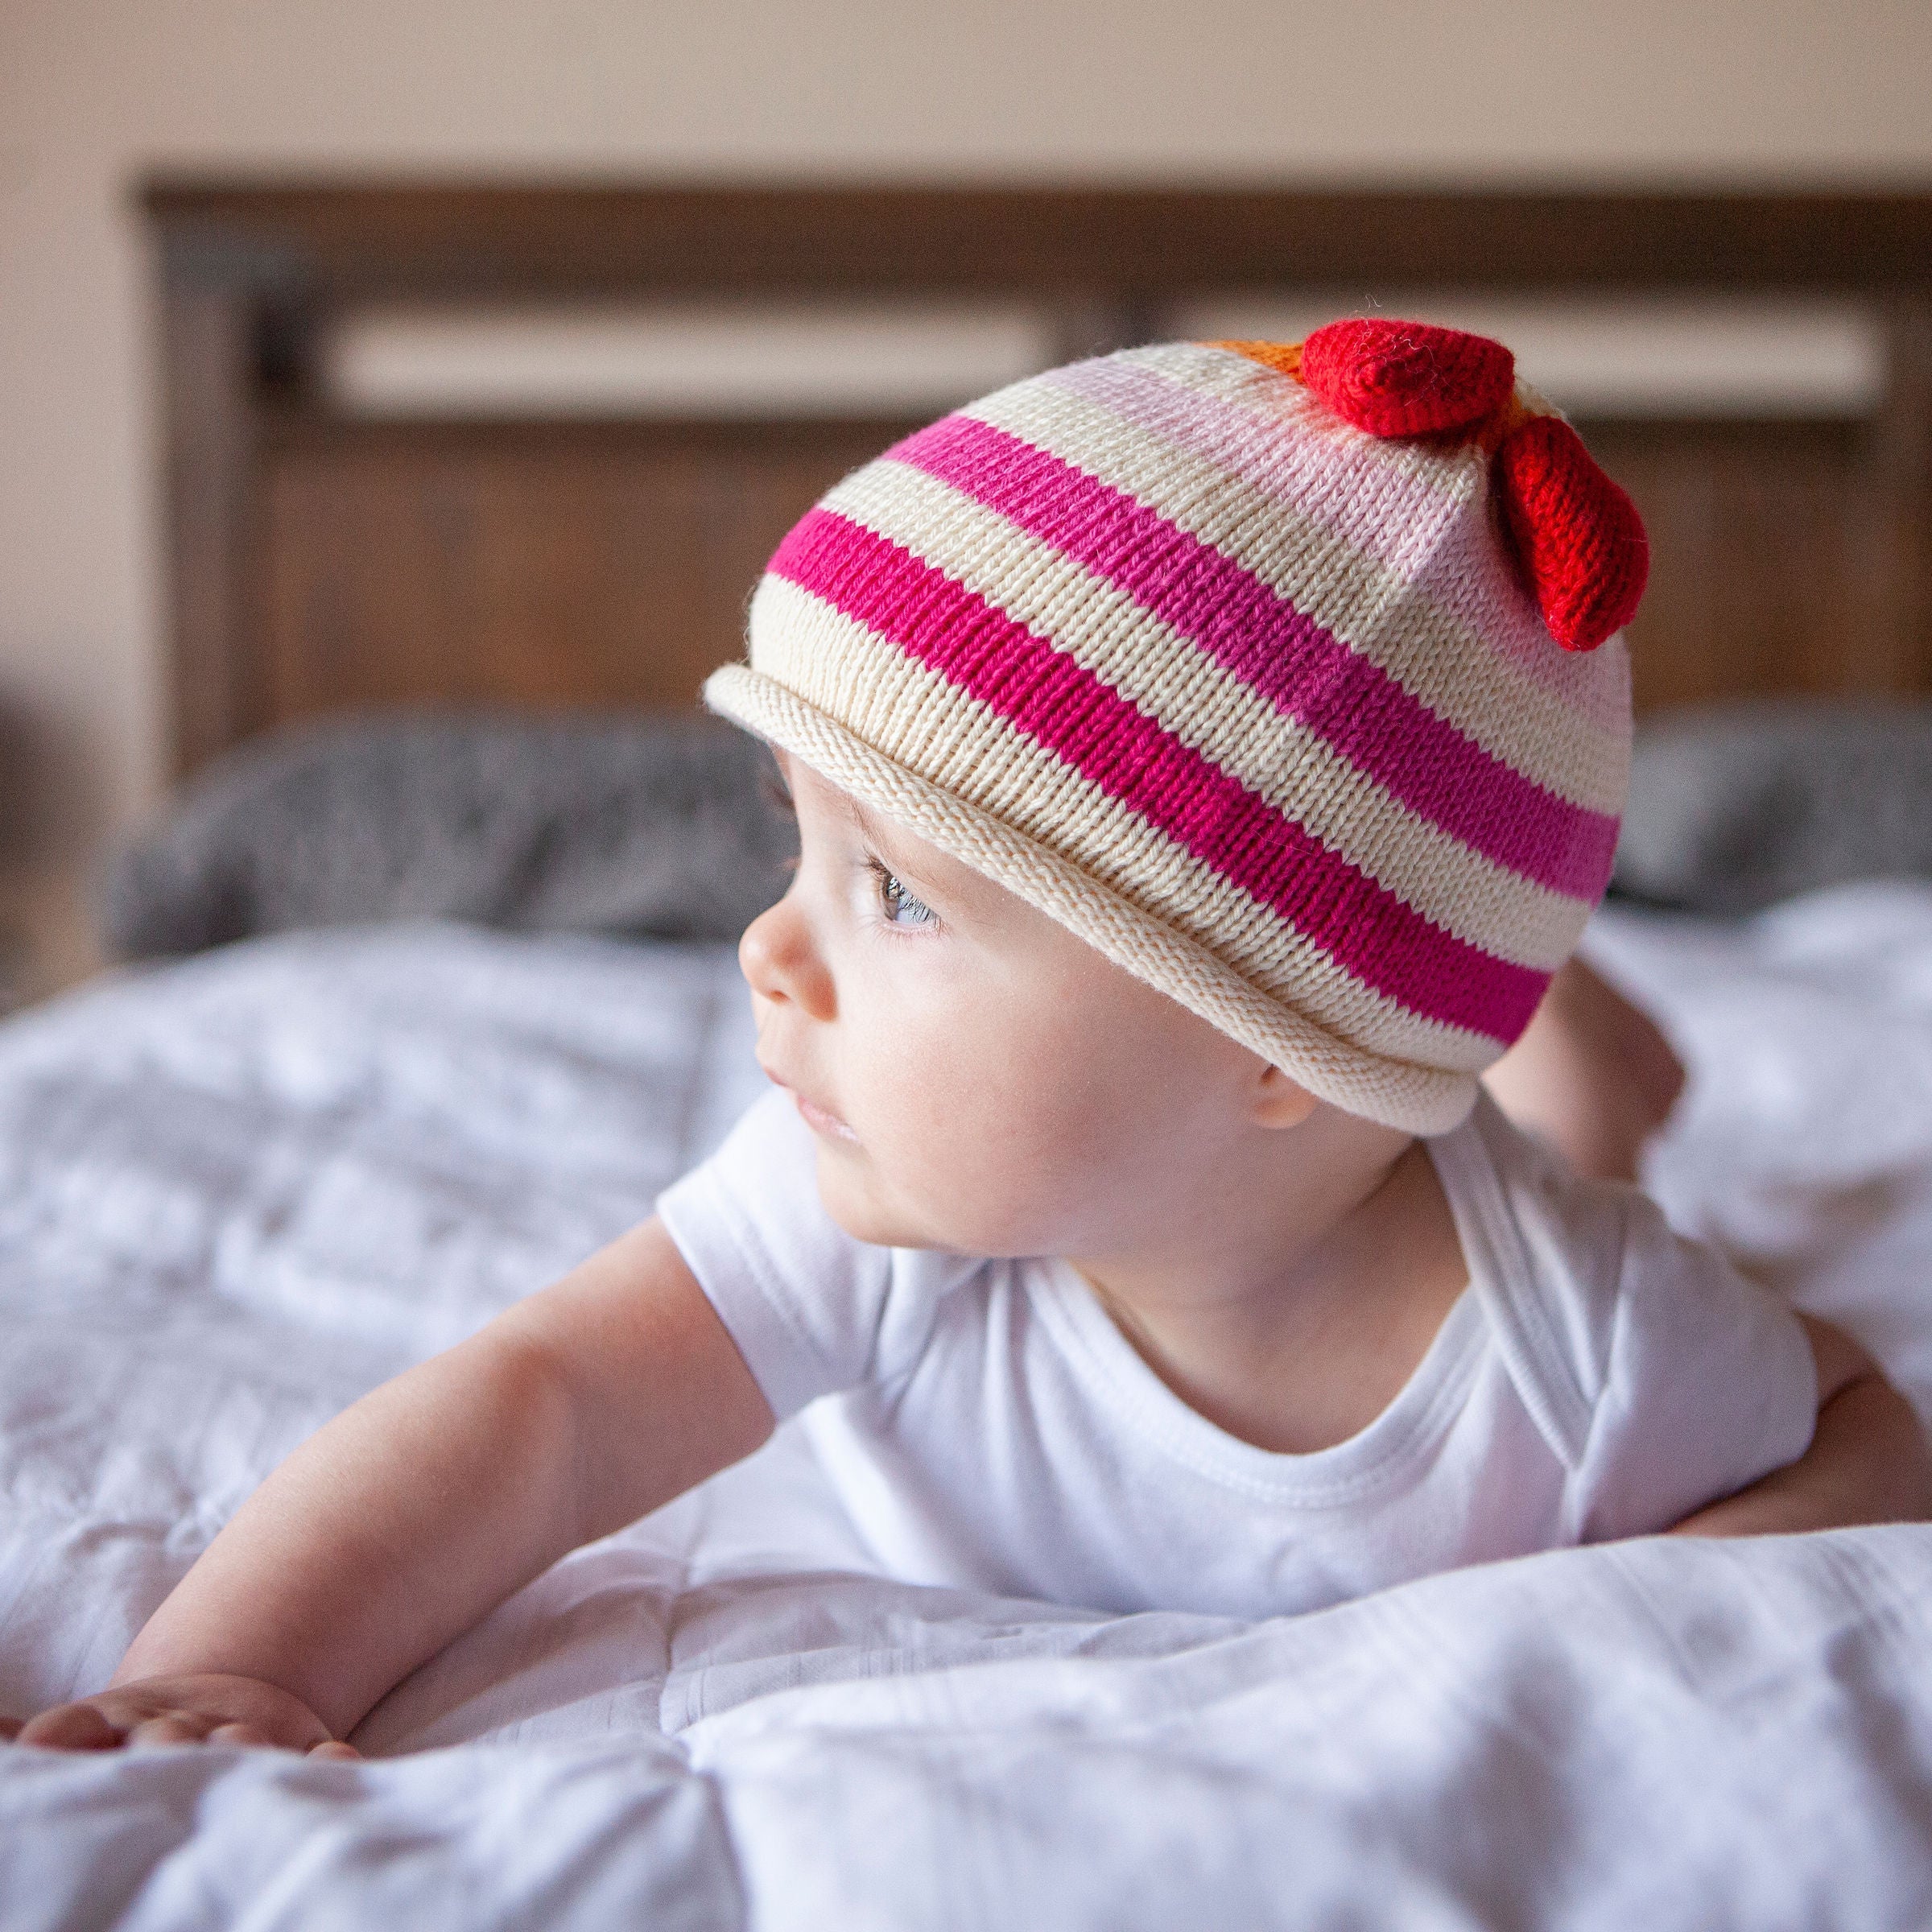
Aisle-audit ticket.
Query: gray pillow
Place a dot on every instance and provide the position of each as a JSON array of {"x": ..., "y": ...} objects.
[
  {"x": 1735, "y": 807},
  {"x": 639, "y": 825}
]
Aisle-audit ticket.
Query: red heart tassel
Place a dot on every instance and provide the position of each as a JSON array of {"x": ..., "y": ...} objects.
[
  {"x": 1406, "y": 378},
  {"x": 1581, "y": 541},
  {"x": 1578, "y": 535}
]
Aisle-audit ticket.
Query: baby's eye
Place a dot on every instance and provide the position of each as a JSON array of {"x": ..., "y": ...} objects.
[{"x": 899, "y": 906}]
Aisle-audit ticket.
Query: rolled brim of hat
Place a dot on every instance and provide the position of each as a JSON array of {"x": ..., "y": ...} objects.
[{"x": 1395, "y": 1093}]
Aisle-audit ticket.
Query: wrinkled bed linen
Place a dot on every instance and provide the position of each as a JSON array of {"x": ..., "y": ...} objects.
[{"x": 236, "y": 1192}]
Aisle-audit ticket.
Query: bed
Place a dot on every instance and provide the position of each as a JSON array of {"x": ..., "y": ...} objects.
[{"x": 238, "y": 1187}]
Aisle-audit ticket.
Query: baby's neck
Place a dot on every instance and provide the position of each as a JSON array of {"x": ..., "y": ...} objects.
[{"x": 1292, "y": 1306}]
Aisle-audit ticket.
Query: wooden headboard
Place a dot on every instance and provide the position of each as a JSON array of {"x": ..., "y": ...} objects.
[{"x": 322, "y": 559}]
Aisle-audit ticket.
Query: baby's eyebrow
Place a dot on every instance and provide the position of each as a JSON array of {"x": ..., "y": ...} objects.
[
  {"x": 877, "y": 832},
  {"x": 858, "y": 817}
]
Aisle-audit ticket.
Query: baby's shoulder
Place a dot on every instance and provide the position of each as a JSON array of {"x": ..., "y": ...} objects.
[
  {"x": 1660, "y": 1375},
  {"x": 1580, "y": 1278},
  {"x": 1531, "y": 1224}
]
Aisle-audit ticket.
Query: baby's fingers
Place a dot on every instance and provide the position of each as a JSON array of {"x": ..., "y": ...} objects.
[
  {"x": 334, "y": 1749},
  {"x": 251, "y": 1735},
  {"x": 170, "y": 1727},
  {"x": 72, "y": 1728},
  {"x": 203, "y": 1709}
]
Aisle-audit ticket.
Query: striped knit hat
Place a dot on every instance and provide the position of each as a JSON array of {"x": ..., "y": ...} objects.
[{"x": 1242, "y": 661}]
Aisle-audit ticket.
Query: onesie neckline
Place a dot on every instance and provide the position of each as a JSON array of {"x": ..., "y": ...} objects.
[{"x": 1396, "y": 1445}]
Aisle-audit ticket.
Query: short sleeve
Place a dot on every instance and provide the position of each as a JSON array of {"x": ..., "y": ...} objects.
[
  {"x": 811, "y": 1310},
  {"x": 1709, "y": 1384}
]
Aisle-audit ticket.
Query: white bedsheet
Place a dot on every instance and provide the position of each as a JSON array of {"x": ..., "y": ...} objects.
[{"x": 233, "y": 1194}]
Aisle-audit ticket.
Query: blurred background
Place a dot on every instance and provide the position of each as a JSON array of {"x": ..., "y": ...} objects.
[{"x": 96, "y": 95}]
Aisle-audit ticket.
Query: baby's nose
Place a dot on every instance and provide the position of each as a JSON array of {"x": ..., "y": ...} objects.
[{"x": 780, "y": 963}]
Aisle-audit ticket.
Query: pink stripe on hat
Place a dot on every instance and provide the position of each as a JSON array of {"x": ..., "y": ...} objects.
[
  {"x": 1205, "y": 409},
  {"x": 1264, "y": 640},
  {"x": 1368, "y": 665},
  {"x": 1045, "y": 693}
]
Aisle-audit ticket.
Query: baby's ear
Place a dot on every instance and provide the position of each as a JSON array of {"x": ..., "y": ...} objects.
[{"x": 1277, "y": 1101}]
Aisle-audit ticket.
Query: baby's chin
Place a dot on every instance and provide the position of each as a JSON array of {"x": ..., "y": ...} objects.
[{"x": 853, "y": 1197}]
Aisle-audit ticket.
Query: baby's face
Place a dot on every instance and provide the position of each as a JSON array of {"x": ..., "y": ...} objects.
[{"x": 977, "y": 1078}]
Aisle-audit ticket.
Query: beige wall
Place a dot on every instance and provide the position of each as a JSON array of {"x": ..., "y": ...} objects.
[{"x": 93, "y": 92}]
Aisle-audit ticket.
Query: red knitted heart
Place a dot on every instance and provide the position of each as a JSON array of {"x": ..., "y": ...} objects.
[
  {"x": 1579, "y": 536},
  {"x": 1406, "y": 378}
]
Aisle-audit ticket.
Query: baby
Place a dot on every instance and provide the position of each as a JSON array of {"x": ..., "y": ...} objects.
[{"x": 1203, "y": 757}]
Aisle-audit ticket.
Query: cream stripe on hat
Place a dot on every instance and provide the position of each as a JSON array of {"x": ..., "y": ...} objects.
[
  {"x": 1022, "y": 787},
  {"x": 1163, "y": 675},
  {"x": 1428, "y": 652},
  {"x": 1228, "y": 406}
]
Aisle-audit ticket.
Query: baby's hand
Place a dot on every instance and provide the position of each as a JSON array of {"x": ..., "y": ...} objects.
[{"x": 185, "y": 1710}]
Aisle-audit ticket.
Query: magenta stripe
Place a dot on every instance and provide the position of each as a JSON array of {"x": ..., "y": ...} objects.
[
  {"x": 1465, "y": 575},
  {"x": 1047, "y": 693},
  {"x": 1301, "y": 669}
]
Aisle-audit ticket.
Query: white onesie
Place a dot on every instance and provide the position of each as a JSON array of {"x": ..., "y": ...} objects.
[{"x": 987, "y": 1425}]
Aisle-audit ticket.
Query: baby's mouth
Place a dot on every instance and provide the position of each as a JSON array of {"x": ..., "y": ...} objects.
[{"x": 820, "y": 1119}]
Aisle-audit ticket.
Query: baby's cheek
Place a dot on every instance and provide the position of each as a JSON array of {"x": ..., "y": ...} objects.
[
  {"x": 1004, "y": 1182},
  {"x": 938, "y": 1167},
  {"x": 992, "y": 1124}
]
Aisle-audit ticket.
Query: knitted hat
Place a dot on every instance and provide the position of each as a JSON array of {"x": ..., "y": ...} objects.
[{"x": 1242, "y": 661}]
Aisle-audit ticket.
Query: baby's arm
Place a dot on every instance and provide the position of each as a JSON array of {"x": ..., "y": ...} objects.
[
  {"x": 1593, "y": 1074},
  {"x": 1867, "y": 1463},
  {"x": 395, "y": 1528}
]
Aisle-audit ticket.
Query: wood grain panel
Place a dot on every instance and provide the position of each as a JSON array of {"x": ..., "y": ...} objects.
[
  {"x": 1756, "y": 583},
  {"x": 526, "y": 567},
  {"x": 348, "y": 239},
  {"x": 558, "y": 567},
  {"x": 214, "y": 534},
  {"x": 323, "y": 562}
]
